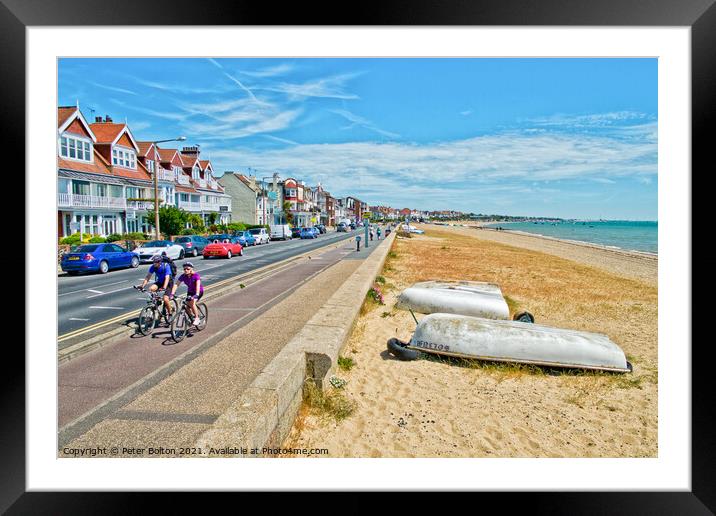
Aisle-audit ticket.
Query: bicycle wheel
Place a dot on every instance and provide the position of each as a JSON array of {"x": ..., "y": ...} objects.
[
  {"x": 145, "y": 321},
  {"x": 180, "y": 326},
  {"x": 203, "y": 315}
]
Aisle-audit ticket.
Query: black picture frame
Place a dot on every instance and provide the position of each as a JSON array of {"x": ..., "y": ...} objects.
[{"x": 699, "y": 15}]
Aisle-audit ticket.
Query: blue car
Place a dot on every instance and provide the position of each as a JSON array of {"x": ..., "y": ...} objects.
[
  {"x": 308, "y": 233},
  {"x": 245, "y": 238},
  {"x": 98, "y": 258}
]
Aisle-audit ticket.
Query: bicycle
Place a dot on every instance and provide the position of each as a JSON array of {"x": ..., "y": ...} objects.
[
  {"x": 155, "y": 310},
  {"x": 183, "y": 322}
]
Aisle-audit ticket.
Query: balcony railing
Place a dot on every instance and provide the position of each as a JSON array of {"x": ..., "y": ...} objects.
[
  {"x": 201, "y": 182},
  {"x": 165, "y": 175},
  {"x": 184, "y": 180},
  {"x": 189, "y": 205},
  {"x": 141, "y": 205},
  {"x": 90, "y": 201}
]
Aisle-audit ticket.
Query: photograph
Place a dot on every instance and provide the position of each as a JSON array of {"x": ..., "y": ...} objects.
[
  {"x": 360, "y": 258},
  {"x": 357, "y": 257}
]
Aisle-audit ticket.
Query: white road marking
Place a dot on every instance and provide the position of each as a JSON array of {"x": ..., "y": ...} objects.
[
  {"x": 95, "y": 291},
  {"x": 110, "y": 292},
  {"x": 108, "y": 307},
  {"x": 77, "y": 319},
  {"x": 83, "y": 290}
]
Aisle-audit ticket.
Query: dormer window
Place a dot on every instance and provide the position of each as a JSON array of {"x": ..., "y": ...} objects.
[
  {"x": 124, "y": 158},
  {"x": 150, "y": 166},
  {"x": 196, "y": 172},
  {"x": 75, "y": 148}
]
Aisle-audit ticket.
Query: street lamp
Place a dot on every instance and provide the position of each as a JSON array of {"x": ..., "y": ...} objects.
[{"x": 156, "y": 186}]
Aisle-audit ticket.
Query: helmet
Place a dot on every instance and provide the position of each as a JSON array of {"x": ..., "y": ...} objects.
[
  {"x": 156, "y": 258},
  {"x": 188, "y": 264}
]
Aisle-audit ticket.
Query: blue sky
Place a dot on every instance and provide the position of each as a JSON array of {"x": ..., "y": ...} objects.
[{"x": 538, "y": 137}]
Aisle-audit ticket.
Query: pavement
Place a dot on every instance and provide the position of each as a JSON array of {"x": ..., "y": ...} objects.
[{"x": 150, "y": 391}]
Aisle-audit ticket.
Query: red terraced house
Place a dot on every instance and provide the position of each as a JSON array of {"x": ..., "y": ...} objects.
[{"x": 97, "y": 171}]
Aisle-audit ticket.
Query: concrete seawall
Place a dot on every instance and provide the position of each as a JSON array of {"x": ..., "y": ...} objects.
[{"x": 264, "y": 414}]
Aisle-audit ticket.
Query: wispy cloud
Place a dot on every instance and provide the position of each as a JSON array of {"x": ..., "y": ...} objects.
[
  {"x": 113, "y": 88},
  {"x": 362, "y": 122},
  {"x": 277, "y": 122},
  {"x": 326, "y": 87},
  {"x": 272, "y": 71},
  {"x": 593, "y": 120},
  {"x": 177, "y": 87},
  {"x": 495, "y": 166},
  {"x": 168, "y": 115},
  {"x": 466, "y": 112},
  {"x": 281, "y": 140},
  {"x": 236, "y": 81}
]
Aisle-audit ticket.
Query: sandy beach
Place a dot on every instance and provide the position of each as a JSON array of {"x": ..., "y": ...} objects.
[{"x": 433, "y": 407}]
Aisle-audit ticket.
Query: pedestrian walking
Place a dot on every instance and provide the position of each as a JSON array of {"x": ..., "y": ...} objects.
[{"x": 378, "y": 232}]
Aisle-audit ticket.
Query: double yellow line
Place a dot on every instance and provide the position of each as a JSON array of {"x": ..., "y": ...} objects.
[{"x": 126, "y": 315}]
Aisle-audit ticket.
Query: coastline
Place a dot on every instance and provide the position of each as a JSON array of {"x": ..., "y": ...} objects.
[
  {"x": 638, "y": 265},
  {"x": 434, "y": 407}
]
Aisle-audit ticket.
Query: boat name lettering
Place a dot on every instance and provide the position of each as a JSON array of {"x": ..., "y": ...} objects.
[{"x": 431, "y": 345}]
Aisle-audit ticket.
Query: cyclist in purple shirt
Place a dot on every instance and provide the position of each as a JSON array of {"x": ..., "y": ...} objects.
[{"x": 195, "y": 290}]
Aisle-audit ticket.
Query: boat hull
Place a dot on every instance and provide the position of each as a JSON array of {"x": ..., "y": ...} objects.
[
  {"x": 473, "y": 298},
  {"x": 512, "y": 341}
]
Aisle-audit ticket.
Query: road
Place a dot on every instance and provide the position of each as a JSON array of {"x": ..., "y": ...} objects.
[{"x": 89, "y": 299}]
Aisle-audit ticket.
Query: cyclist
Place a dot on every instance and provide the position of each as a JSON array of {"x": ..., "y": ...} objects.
[
  {"x": 164, "y": 279},
  {"x": 194, "y": 289}
]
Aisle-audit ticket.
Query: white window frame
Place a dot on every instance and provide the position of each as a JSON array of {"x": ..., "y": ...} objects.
[
  {"x": 123, "y": 157},
  {"x": 84, "y": 145}
]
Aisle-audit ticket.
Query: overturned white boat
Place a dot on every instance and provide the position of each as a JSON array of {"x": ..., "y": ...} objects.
[
  {"x": 474, "y": 298},
  {"x": 511, "y": 341}
]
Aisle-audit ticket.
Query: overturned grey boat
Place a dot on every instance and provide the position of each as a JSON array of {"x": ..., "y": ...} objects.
[
  {"x": 473, "y": 298},
  {"x": 511, "y": 341}
]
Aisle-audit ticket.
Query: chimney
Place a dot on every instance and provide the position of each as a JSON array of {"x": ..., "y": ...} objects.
[
  {"x": 107, "y": 119},
  {"x": 191, "y": 151},
  {"x": 98, "y": 119}
]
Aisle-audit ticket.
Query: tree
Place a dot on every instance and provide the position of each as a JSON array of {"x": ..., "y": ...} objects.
[
  {"x": 212, "y": 218},
  {"x": 196, "y": 222},
  {"x": 171, "y": 220},
  {"x": 287, "y": 211}
]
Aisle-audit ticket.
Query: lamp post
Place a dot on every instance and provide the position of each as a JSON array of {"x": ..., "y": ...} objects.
[{"x": 156, "y": 186}]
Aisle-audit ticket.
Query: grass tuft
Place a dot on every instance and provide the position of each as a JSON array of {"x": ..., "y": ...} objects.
[
  {"x": 345, "y": 363},
  {"x": 330, "y": 403}
]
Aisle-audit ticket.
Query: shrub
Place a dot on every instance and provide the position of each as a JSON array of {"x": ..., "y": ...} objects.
[
  {"x": 135, "y": 236},
  {"x": 114, "y": 237},
  {"x": 188, "y": 231},
  {"x": 97, "y": 240},
  {"x": 236, "y": 226},
  {"x": 74, "y": 239}
]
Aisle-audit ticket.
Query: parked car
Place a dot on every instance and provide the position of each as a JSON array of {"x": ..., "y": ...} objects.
[
  {"x": 353, "y": 225},
  {"x": 342, "y": 228},
  {"x": 321, "y": 228},
  {"x": 245, "y": 238},
  {"x": 225, "y": 247},
  {"x": 295, "y": 232},
  {"x": 280, "y": 232},
  {"x": 193, "y": 244},
  {"x": 98, "y": 258},
  {"x": 316, "y": 231},
  {"x": 147, "y": 250},
  {"x": 308, "y": 233},
  {"x": 261, "y": 235}
]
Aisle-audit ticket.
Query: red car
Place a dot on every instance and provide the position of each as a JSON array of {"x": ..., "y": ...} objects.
[{"x": 226, "y": 247}]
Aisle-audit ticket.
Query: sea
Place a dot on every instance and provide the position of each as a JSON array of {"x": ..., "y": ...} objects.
[{"x": 628, "y": 235}]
